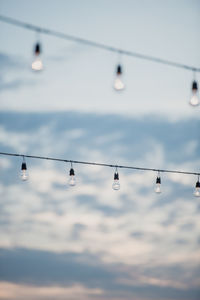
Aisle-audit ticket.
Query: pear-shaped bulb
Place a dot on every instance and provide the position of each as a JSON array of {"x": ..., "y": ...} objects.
[
  {"x": 157, "y": 188},
  {"x": 158, "y": 185},
  {"x": 118, "y": 83},
  {"x": 116, "y": 185},
  {"x": 197, "y": 192},
  {"x": 37, "y": 64},
  {"x": 194, "y": 100},
  {"x": 72, "y": 180}
]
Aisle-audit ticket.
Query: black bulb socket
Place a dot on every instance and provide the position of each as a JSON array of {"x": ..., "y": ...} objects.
[
  {"x": 37, "y": 49},
  {"x": 119, "y": 70},
  {"x": 194, "y": 86},
  {"x": 71, "y": 172},
  {"x": 158, "y": 180},
  {"x": 23, "y": 168},
  {"x": 116, "y": 176},
  {"x": 198, "y": 184}
]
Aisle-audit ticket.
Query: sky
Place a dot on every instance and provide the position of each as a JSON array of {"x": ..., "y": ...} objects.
[{"x": 89, "y": 241}]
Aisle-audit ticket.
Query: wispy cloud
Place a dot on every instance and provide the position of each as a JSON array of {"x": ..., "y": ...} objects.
[{"x": 13, "y": 291}]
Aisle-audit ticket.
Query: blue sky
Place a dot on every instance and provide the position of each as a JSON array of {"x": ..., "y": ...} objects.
[{"x": 91, "y": 242}]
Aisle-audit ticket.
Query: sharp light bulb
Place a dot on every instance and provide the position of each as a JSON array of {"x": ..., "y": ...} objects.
[
  {"x": 37, "y": 64},
  {"x": 197, "y": 189},
  {"x": 24, "y": 174},
  {"x": 116, "y": 184},
  {"x": 118, "y": 83},
  {"x": 72, "y": 179},
  {"x": 158, "y": 185},
  {"x": 194, "y": 101}
]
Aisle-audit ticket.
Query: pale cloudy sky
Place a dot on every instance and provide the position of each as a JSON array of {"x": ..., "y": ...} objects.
[
  {"x": 81, "y": 77},
  {"x": 91, "y": 242}
]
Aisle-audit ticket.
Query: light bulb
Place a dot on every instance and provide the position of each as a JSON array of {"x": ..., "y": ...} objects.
[
  {"x": 37, "y": 63},
  {"x": 157, "y": 188},
  {"x": 197, "y": 192},
  {"x": 194, "y": 101},
  {"x": 24, "y": 174},
  {"x": 118, "y": 83},
  {"x": 72, "y": 179},
  {"x": 197, "y": 189},
  {"x": 116, "y": 184},
  {"x": 158, "y": 185}
]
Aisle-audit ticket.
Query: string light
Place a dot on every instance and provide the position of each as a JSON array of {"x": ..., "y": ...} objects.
[
  {"x": 24, "y": 174},
  {"x": 194, "y": 101},
  {"x": 118, "y": 85},
  {"x": 197, "y": 188},
  {"x": 37, "y": 63},
  {"x": 72, "y": 179},
  {"x": 90, "y": 43},
  {"x": 116, "y": 184},
  {"x": 158, "y": 184}
]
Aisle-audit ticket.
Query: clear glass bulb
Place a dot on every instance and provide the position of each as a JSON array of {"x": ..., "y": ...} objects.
[
  {"x": 197, "y": 192},
  {"x": 24, "y": 175},
  {"x": 118, "y": 84},
  {"x": 37, "y": 64},
  {"x": 72, "y": 180},
  {"x": 194, "y": 101},
  {"x": 116, "y": 185},
  {"x": 158, "y": 188}
]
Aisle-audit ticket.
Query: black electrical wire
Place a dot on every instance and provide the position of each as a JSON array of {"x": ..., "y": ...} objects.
[
  {"x": 94, "y": 44},
  {"x": 99, "y": 164}
]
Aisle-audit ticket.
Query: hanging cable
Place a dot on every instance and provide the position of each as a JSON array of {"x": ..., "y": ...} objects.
[
  {"x": 94, "y": 44},
  {"x": 101, "y": 164}
]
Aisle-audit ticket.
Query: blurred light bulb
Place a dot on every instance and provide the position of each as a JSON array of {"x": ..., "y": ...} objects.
[
  {"x": 197, "y": 189},
  {"x": 118, "y": 84},
  {"x": 72, "y": 179},
  {"x": 158, "y": 185},
  {"x": 116, "y": 184},
  {"x": 194, "y": 101},
  {"x": 24, "y": 174},
  {"x": 37, "y": 63}
]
